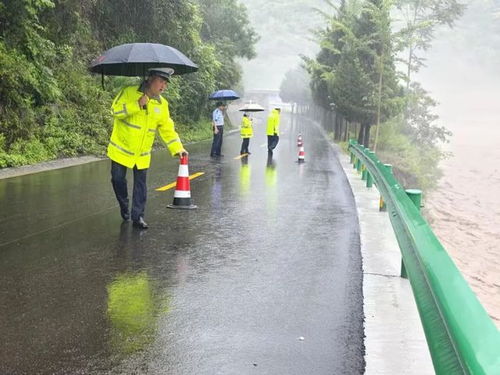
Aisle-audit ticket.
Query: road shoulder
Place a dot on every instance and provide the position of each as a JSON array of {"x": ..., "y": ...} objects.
[{"x": 394, "y": 338}]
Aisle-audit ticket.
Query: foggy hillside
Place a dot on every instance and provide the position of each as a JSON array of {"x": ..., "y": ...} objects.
[
  {"x": 285, "y": 30},
  {"x": 462, "y": 67}
]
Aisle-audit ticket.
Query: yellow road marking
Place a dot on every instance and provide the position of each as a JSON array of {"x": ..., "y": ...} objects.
[
  {"x": 173, "y": 184},
  {"x": 240, "y": 156}
]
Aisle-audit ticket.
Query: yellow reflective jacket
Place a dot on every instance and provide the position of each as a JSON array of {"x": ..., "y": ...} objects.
[
  {"x": 273, "y": 123},
  {"x": 246, "y": 130},
  {"x": 134, "y": 128}
]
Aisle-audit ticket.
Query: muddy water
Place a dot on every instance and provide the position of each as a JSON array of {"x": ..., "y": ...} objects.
[
  {"x": 465, "y": 209},
  {"x": 465, "y": 214}
]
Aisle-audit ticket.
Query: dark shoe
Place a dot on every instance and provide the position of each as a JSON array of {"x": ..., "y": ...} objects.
[
  {"x": 125, "y": 214},
  {"x": 220, "y": 155},
  {"x": 140, "y": 224}
]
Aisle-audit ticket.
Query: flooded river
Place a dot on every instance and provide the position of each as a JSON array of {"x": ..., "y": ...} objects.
[{"x": 465, "y": 209}]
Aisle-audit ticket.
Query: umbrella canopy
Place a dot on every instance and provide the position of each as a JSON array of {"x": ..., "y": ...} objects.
[
  {"x": 134, "y": 59},
  {"x": 252, "y": 107},
  {"x": 224, "y": 95}
]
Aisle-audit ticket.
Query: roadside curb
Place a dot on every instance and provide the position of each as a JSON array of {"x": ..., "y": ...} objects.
[{"x": 46, "y": 166}]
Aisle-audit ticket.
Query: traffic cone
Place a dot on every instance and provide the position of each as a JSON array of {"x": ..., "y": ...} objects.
[
  {"x": 182, "y": 195},
  {"x": 302, "y": 154},
  {"x": 299, "y": 141}
]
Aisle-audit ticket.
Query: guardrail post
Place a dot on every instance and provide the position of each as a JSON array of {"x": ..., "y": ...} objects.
[
  {"x": 369, "y": 180},
  {"x": 389, "y": 167},
  {"x": 358, "y": 165},
  {"x": 369, "y": 177},
  {"x": 364, "y": 170},
  {"x": 352, "y": 157},
  {"x": 416, "y": 197},
  {"x": 381, "y": 205}
]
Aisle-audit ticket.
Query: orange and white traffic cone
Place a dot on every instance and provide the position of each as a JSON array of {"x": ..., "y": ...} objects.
[
  {"x": 302, "y": 154},
  {"x": 182, "y": 195},
  {"x": 299, "y": 141}
]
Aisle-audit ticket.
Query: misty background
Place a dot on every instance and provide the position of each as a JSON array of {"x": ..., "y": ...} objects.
[
  {"x": 462, "y": 70},
  {"x": 285, "y": 29}
]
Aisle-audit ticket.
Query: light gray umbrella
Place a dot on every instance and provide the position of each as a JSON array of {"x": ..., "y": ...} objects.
[{"x": 252, "y": 107}]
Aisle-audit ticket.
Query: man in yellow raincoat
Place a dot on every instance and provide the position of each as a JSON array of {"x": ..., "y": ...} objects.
[
  {"x": 273, "y": 130},
  {"x": 246, "y": 132},
  {"x": 139, "y": 112}
]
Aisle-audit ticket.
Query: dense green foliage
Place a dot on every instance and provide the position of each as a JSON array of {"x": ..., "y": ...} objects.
[
  {"x": 50, "y": 106},
  {"x": 355, "y": 75}
]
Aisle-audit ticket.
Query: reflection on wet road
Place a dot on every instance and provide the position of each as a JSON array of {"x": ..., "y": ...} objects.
[{"x": 264, "y": 277}]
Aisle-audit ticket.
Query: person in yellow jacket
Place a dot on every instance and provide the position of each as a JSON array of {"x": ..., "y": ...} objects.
[
  {"x": 273, "y": 130},
  {"x": 246, "y": 132},
  {"x": 139, "y": 113}
]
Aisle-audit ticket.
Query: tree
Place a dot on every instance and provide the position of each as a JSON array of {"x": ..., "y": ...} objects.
[
  {"x": 295, "y": 87},
  {"x": 375, "y": 23},
  {"x": 421, "y": 17},
  {"x": 355, "y": 69},
  {"x": 226, "y": 27},
  {"x": 420, "y": 125}
]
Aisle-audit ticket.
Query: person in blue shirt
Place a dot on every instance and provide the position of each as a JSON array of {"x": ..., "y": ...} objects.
[{"x": 218, "y": 129}]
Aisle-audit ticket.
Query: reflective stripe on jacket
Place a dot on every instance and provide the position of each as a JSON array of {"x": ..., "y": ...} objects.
[
  {"x": 134, "y": 129},
  {"x": 273, "y": 123},
  {"x": 246, "y": 130}
]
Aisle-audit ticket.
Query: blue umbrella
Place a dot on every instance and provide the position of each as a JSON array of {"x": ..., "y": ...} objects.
[{"x": 224, "y": 95}]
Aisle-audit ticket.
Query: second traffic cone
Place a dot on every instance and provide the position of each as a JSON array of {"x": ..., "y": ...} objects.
[
  {"x": 299, "y": 141},
  {"x": 182, "y": 195},
  {"x": 302, "y": 155}
]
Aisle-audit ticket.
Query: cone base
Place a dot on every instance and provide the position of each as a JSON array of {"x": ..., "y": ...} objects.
[
  {"x": 300, "y": 161},
  {"x": 183, "y": 204},
  {"x": 190, "y": 207}
]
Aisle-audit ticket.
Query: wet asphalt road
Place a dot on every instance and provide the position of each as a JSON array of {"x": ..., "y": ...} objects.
[{"x": 263, "y": 278}]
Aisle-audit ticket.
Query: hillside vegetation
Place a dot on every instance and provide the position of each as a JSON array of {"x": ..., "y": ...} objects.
[{"x": 51, "y": 107}]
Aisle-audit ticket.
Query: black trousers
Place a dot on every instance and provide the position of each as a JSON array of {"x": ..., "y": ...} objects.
[
  {"x": 244, "y": 146},
  {"x": 217, "y": 142},
  {"x": 119, "y": 182},
  {"x": 272, "y": 142}
]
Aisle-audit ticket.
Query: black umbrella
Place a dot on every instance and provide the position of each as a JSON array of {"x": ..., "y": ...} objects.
[{"x": 134, "y": 59}]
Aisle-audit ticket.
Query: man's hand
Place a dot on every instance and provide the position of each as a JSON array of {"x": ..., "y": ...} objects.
[
  {"x": 182, "y": 153},
  {"x": 143, "y": 101},
  {"x": 216, "y": 131}
]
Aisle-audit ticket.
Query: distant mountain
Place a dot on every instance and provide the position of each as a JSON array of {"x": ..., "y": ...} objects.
[{"x": 285, "y": 30}]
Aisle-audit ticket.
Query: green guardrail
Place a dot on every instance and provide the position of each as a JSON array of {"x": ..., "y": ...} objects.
[{"x": 461, "y": 337}]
